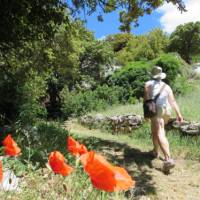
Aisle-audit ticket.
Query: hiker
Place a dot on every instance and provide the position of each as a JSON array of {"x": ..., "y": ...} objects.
[{"x": 164, "y": 102}]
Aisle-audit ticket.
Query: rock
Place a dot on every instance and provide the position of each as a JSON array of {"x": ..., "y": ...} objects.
[
  {"x": 99, "y": 117},
  {"x": 120, "y": 123},
  {"x": 127, "y": 123},
  {"x": 191, "y": 129},
  {"x": 186, "y": 127}
]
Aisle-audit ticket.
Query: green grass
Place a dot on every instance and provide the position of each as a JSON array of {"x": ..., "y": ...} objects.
[
  {"x": 189, "y": 105},
  {"x": 121, "y": 110},
  {"x": 40, "y": 183},
  {"x": 186, "y": 146},
  {"x": 37, "y": 181},
  {"x": 196, "y": 58}
]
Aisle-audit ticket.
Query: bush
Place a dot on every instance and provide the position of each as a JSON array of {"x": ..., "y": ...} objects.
[
  {"x": 31, "y": 108},
  {"x": 39, "y": 140},
  {"x": 79, "y": 103},
  {"x": 9, "y": 98},
  {"x": 196, "y": 58},
  {"x": 132, "y": 78},
  {"x": 176, "y": 69}
]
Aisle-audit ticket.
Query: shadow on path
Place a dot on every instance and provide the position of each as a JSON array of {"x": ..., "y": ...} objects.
[{"x": 137, "y": 163}]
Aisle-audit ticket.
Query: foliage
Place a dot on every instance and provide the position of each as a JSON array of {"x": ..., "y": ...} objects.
[
  {"x": 186, "y": 40},
  {"x": 77, "y": 104},
  {"x": 9, "y": 98},
  {"x": 144, "y": 47},
  {"x": 96, "y": 59},
  {"x": 119, "y": 41},
  {"x": 140, "y": 48},
  {"x": 158, "y": 41},
  {"x": 129, "y": 11},
  {"x": 195, "y": 58},
  {"x": 45, "y": 50},
  {"x": 176, "y": 69},
  {"x": 56, "y": 61},
  {"x": 27, "y": 20},
  {"x": 132, "y": 78},
  {"x": 39, "y": 140},
  {"x": 31, "y": 108}
]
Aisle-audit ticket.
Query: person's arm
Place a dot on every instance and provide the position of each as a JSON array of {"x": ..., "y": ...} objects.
[
  {"x": 146, "y": 92},
  {"x": 175, "y": 106}
]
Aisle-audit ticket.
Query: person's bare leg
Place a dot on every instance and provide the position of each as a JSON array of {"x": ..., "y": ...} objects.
[
  {"x": 154, "y": 132},
  {"x": 163, "y": 142}
]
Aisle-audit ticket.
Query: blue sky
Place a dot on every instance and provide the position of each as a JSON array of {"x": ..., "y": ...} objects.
[
  {"x": 111, "y": 24},
  {"x": 167, "y": 17}
]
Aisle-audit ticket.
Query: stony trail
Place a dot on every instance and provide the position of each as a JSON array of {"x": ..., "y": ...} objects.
[{"x": 183, "y": 182}]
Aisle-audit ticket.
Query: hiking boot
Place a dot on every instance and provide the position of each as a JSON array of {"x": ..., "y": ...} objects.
[{"x": 168, "y": 164}]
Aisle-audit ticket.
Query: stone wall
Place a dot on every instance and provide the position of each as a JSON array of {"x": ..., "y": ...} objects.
[
  {"x": 127, "y": 123},
  {"x": 186, "y": 127},
  {"x": 117, "y": 124}
]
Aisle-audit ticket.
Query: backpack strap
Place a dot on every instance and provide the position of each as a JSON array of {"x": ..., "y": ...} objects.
[{"x": 161, "y": 90}]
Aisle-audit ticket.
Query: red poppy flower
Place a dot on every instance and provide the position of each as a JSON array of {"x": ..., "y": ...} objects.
[
  {"x": 75, "y": 147},
  {"x": 1, "y": 171},
  {"x": 10, "y": 146},
  {"x": 103, "y": 175},
  {"x": 58, "y": 165}
]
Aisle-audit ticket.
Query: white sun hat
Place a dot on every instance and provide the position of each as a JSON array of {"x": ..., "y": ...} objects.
[{"x": 157, "y": 73}]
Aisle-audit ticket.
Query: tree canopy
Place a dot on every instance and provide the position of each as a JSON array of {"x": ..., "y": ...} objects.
[
  {"x": 129, "y": 11},
  {"x": 186, "y": 40},
  {"x": 22, "y": 20}
]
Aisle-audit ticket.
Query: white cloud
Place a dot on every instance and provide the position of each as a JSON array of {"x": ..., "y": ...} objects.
[
  {"x": 172, "y": 17},
  {"x": 102, "y": 37}
]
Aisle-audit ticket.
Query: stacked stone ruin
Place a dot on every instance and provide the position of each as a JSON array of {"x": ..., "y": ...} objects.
[
  {"x": 128, "y": 123},
  {"x": 118, "y": 124}
]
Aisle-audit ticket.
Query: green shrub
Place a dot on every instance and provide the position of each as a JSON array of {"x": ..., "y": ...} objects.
[
  {"x": 176, "y": 69},
  {"x": 9, "y": 98},
  {"x": 78, "y": 103},
  {"x": 196, "y": 58},
  {"x": 39, "y": 140},
  {"x": 132, "y": 78},
  {"x": 31, "y": 108}
]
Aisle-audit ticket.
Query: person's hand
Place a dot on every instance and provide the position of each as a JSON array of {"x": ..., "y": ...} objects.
[{"x": 179, "y": 118}]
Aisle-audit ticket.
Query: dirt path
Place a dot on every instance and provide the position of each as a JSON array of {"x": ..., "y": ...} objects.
[{"x": 183, "y": 183}]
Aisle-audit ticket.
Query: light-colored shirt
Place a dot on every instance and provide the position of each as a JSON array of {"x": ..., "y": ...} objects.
[{"x": 154, "y": 87}]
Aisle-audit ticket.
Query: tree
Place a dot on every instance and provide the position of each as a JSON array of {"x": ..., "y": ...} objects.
[
  {"x": 158, "y": 41},
  {"x": 25, "y": 20},
  {"x": 119, "y": 41},
  {"x": 143, "y": 47},
  {"x": 96, "y": 60},
  {"x": 129, "y": 13},
  {"x": 186, "y": 40}
]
